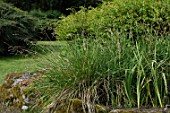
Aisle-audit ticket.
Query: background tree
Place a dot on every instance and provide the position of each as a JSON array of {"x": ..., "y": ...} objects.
[{"x": 17, "y": 28}]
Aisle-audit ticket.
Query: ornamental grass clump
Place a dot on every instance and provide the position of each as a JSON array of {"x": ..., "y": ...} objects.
[{"x": 111, "y": 72}]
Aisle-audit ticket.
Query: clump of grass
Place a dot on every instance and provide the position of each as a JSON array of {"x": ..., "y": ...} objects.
[{"x": 112, "y": 72}]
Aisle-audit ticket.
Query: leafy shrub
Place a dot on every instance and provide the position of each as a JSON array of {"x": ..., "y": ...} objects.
[
  {"x": 133, "y": 18},
  {"x": 16, "y": 29}
]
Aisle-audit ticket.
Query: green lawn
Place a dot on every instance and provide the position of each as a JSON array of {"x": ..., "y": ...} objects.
[
  {"x": 17, "y": 64},
  {"x": 27, "y": 63}
]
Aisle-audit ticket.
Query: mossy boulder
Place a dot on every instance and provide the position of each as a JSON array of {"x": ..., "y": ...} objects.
[{"x": 15, "y": 90}]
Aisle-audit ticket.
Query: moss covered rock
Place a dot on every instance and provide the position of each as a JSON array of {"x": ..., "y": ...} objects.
[{"x": 15, "y": 88}]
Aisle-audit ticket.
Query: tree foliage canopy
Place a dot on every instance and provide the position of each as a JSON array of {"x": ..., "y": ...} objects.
[{"x": 16, "y": 28}]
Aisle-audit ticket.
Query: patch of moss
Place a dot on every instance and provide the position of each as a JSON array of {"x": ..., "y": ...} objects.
[
  {"x": 16, "y": 88},
  {"x": 72, "y": 106},
  {"x": 77, "y": 105},
  {"x": 128, "y": 111}
]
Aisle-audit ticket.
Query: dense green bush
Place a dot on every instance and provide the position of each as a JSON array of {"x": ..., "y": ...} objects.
[
  {"x": 60, "y": 5},
  {"x": 134, "y": 18},
  {"x": 16, "y": 29}
]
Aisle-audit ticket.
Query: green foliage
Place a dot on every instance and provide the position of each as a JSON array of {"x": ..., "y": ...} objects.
[
  {"x": 106, "y": 67},
  {"x": 133, "y": 18},
  {"x": 115, "y": 72},
  {"x": 45, "y": 30},
  {"x": 45, "y": 14},
  {"x": 16, "y": 29},
  {"x": 45, "y": 24}
]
